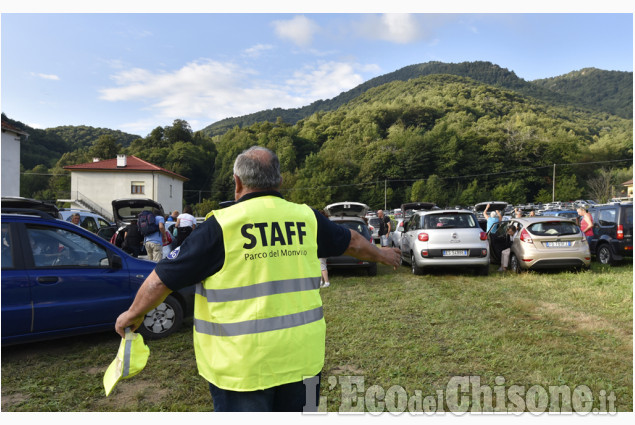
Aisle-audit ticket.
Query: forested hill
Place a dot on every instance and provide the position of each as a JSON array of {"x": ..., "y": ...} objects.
[
  {"x": 440, "y": 138},
  {"x": 605, "y": 95},
  {"x": 82, "y": 136},
  {"x": 46, "y": 147},
  {"x": 610, "y": 91}
]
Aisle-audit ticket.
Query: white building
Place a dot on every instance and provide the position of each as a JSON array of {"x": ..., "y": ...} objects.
[
  {"x": 96, "y": 184},
  {"x": 11, "y": 159}
]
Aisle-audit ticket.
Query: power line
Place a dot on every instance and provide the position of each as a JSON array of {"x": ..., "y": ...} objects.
[{"x": 521, "y": 170}]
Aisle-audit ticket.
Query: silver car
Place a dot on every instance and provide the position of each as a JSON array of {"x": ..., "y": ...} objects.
[{"x": 445, "y": 238}]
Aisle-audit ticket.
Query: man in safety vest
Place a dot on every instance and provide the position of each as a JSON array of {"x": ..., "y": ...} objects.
[{"x": 259, "y": 329}]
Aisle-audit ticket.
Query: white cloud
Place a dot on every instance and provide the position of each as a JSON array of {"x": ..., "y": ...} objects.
[
  {"x": 327, "y": 80},
  {"x": 257, "y": 50},
  {"x": 46, "y": 76},
  {"x": 395, "y": 27},
  {"x": 299, "y": 30},
  {"x": 207, "y": 91}
]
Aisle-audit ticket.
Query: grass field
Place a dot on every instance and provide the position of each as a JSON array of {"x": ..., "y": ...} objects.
[{"x": 402, "y": 338}]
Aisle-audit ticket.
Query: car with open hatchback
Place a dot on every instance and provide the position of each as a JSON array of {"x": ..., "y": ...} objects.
[{"x": 350, "y": 215}]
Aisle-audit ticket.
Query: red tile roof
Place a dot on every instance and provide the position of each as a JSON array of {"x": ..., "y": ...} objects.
[
  {"x": 10, "y": 127},
  {"x": 132, "y": 164}
]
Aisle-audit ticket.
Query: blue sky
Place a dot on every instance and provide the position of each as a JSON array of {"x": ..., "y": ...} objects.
[{"x": 136, "y": 71}]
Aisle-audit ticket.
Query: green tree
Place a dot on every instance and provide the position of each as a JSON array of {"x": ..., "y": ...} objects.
[
  {"x": 567, "y": 188},
  {"x": 105, "y": 147}
]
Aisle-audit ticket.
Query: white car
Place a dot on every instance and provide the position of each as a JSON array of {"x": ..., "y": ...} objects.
[
  {"x": 88, "y": 219},
  {"x": 445, "y": 238}
]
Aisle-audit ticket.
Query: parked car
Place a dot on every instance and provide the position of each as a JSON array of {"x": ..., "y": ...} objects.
[
  {"x": 17, "y": 202},
  {"x": 87, "y": 219},
  {"x": 612, "y": 232},
  {"x": 373, "y": 223},
  {"x": 444, "y": 238},
  {"x": 350, "y": 215},
  {"x": 409, "y": 209},
  {"x": 493, "y": 206},
  {"x": 60, "y": 280},
  {"x": 541, "y": 243},
  {"x": 561, "y": 213},
  {"x": 124, "y": 211}
]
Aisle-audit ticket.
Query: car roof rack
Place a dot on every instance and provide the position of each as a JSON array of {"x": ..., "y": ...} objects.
[{"x": 28, "y": 211}]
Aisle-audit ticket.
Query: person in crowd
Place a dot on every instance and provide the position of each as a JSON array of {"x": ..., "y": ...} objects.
[
  {"x": 185, "y": 223},
  {"x": 154, "y": 241},
  {"x": 586, "y": 223},
  {"x": 75, "y": 219},
  {"x": 173, "y": 216},
  {"x": 384, "y": 228},
  {"x": 505, "y": 253},
  {"x": 132, "y": 239},
  {"x": 259, "y": 328},
  {"x": 494, "y": 217}
]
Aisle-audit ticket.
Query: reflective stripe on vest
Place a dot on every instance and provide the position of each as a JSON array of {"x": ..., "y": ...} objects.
[
  {"x": 258, "y": 322},
  {"x": 258, "y": 290},
  {"x": 258, "y": 325}
]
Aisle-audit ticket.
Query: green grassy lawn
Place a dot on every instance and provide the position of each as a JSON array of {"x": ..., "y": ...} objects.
[{"x": 411, "y": 333}]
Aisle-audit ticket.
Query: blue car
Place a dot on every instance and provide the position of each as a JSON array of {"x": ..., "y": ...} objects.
[{"x": 59, "y": 280}]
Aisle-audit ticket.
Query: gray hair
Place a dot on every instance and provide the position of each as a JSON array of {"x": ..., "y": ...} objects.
[{"x": 258, "y": 168}]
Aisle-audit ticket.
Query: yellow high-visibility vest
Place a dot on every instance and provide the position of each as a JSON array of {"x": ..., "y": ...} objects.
[{"x": 258, "y": 322}]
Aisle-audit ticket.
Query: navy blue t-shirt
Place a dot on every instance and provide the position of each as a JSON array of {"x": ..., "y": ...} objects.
[{"x": 202, "y": 254}]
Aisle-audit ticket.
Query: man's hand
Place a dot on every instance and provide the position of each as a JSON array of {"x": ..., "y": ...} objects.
[
  {"x": 127, "y": 320},
  {"x": 151, "y": 293},
  {"x": 392, "y": 257}
]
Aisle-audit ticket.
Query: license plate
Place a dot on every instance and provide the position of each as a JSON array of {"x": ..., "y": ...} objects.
[
  {"x": 455, "y": 253},
  {"x": 558, "y": 244}
]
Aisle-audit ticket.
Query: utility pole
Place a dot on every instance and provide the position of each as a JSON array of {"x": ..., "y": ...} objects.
[
  {"x": 553, "y": 191},
  {"x": 385, "y": 207}
]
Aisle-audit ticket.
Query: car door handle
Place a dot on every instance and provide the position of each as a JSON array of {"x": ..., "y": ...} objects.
[{"x": 48, "y": 279}]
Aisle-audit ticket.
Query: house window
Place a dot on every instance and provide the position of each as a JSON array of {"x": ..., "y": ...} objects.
[{"x": 137, "y": 188}]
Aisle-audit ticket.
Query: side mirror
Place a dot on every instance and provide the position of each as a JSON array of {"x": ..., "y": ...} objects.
[{"x": 116, "y": 262}]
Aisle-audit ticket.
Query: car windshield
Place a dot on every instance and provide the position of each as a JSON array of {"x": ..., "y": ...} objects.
[
  {"x": 449, "y": 221},
  {"x": 358, "y": 227},
  {"x": 554, "y": 228},
  {"x": 374, "y": 221}
]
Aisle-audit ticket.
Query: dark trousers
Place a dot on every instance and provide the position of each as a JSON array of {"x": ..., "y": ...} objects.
[{"x": 294, "y": 397}]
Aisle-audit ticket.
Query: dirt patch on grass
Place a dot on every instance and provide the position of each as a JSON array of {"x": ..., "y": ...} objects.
[
  {"x": 12, "y": 399},
  {"x": 348, "y": 369},
  {"x": 581, "y": 321},
  {"x": 129, "y": 393}
]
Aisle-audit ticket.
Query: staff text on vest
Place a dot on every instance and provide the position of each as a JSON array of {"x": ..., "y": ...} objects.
[{"x": 273, "y": 233}]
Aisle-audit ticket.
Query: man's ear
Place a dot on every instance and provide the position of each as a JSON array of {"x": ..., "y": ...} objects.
[{"x": 239, "y": 187}]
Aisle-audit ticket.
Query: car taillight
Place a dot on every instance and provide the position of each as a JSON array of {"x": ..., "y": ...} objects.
[
  {"x": 524, "y": 236},
  {"x": 424, "y": 253},
  {"x": 483, "y": 236},
  {"x": 620, "y": 231},
  {"x": 423, "y": 237}
]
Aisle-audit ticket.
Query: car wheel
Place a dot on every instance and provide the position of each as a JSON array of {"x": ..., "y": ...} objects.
[
  {"x": 416, "y": 270},
  {"x": 372, "y": 270},
  {"x": 604, "y": 255},
  {"x": 163, "y": 320},
  {"x": 514, "y": 264}
]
